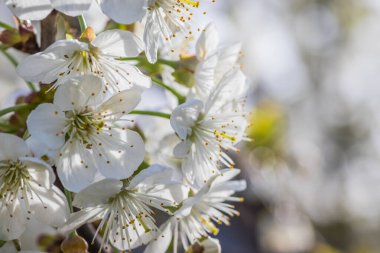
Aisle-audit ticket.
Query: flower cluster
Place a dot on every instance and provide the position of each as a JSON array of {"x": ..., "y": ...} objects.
[{"x": 115, "y": 168}]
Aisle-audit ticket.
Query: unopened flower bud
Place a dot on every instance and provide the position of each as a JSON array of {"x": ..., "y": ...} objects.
[
  {"x": 74, "y": 244},
  {"x": 184, "y": 73},
  {"x": 88, "y": 35}
]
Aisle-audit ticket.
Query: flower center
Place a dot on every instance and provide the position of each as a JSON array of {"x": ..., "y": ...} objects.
[
  {"x": 17, "y": 183},
  {"x": 80, "y": 62},
  {"x": 126, "y": 213},
  {"x": 82, "y": 125},
  {"x": 13, "y": 175}
]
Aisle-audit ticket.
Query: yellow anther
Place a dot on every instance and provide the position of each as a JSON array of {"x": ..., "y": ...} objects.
[
  {"x": 192, "y": 3},
  {"x": 214, "y": 230},
  {"x": 88, "y": 35},
  {"x": 224, "y": 135}
]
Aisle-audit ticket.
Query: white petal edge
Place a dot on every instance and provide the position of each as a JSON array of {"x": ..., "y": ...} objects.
[
  {"x": 12, "y": 147},
  {"x": 46, "y": 123},
  {"x": 124, "y": 11},
  {"x": 118, "y": 43},
  {"x": 97, "y": 193}
]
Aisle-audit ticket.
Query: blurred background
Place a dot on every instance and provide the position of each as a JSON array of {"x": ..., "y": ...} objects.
[{"x": 313, "y": 167}]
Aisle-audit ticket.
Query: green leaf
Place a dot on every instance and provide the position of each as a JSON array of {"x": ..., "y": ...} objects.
[{"x": 2, "y": 243}]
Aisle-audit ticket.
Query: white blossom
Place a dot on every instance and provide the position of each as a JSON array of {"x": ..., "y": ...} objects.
[
  {"x": 125, "y": 208},
  {"x": 26, "y": 190},
  {"x": 87, "y": 132},
  {"x": 39, "y": 9},
  {"x": 198, "y": 214},
  {"x": 163, "y": 19},
  {"x": 122, "y": 11},
  {"x": 98, "y": 56},
  {"x": 210, "y": 64},
  {"x": 115, "y": 9},
  {"x": 214, "y": 62},
  {"x": 208, "y": 128}
]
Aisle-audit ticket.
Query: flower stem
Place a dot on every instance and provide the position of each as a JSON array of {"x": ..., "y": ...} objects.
[
  {"x": 6, "y": 26},
  {"x": 152, "y": 113},
  {"x": 69, "y": 198},
  {"x": 173, "y": 64},
  {"x": 14, "y": 62},
  {"x": 82, "y": 23},
  {"x": 16, "y": 108},
  {"x": 181, "y": 99},
  {"x": 9, "y": 57},
  {"x": 16, "y": 243},
  {"x": 4, "y": 126},
  {"x": 31, "y": 86}
]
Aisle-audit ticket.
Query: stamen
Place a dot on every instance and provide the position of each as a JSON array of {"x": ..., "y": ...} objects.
[{"x": 193, "y": 3}]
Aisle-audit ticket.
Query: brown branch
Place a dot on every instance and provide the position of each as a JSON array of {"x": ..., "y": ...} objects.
[
  {"x": 48, "y": 30},
  {"x": 87, "y": 231}
]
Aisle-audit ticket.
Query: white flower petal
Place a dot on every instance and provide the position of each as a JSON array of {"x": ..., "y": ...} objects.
[
  {"x": 120, "y": 75},
  {"x": 30, "y": 10},
  {"x": 156, "y": 175},
  {"x": 227, "y": 58},
  {"x": 72, "y": 7},
  {"x": 80, "y": 218},
  {"x": 12, "y": 147},
  {"x": 46, "y": 66},
  {"x": 160, "y": 181},
  {"x": 50, "y": 207},
  {"x": 174, "y": 192},
  {"x": 224, "y": 186},
  {"x": 11, "y": 227},
  {"x": 208, "y": 42},
  {"x": 226, "y": 175},
  {"x": 75, "y": 166},
  {"x": 29, "y": 239},
  {"x": 182, "y": 149},
  {"x": 234, "y": 82},
  {"x": 229, "y": 188},
  {"x": 163, "y": 239},
  {"x": 187, "y": 205},
  {"x": 137, "y": 237},
  {"x": 134, "y": 77},
  {"x": 130, "y": 160},
  {"x": 46, "y": 123},
  {"x": 149, "y": 176},
  {"x": 124, "y": 11},
  {"x": 205, "y": 76},
  {"x": 121, "y": 103},
  {"x": 78, "y": 92},
  {"x": 40, "y": 171},
  {"x": 205, "y": 168},
  {"x": 118, "y": 43},
  {"x": 185, "y": 116},
  {"x": 40, "y": 149},
  {"x": 97, "y": 193},
  {"x": 152, "y": 38}
]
